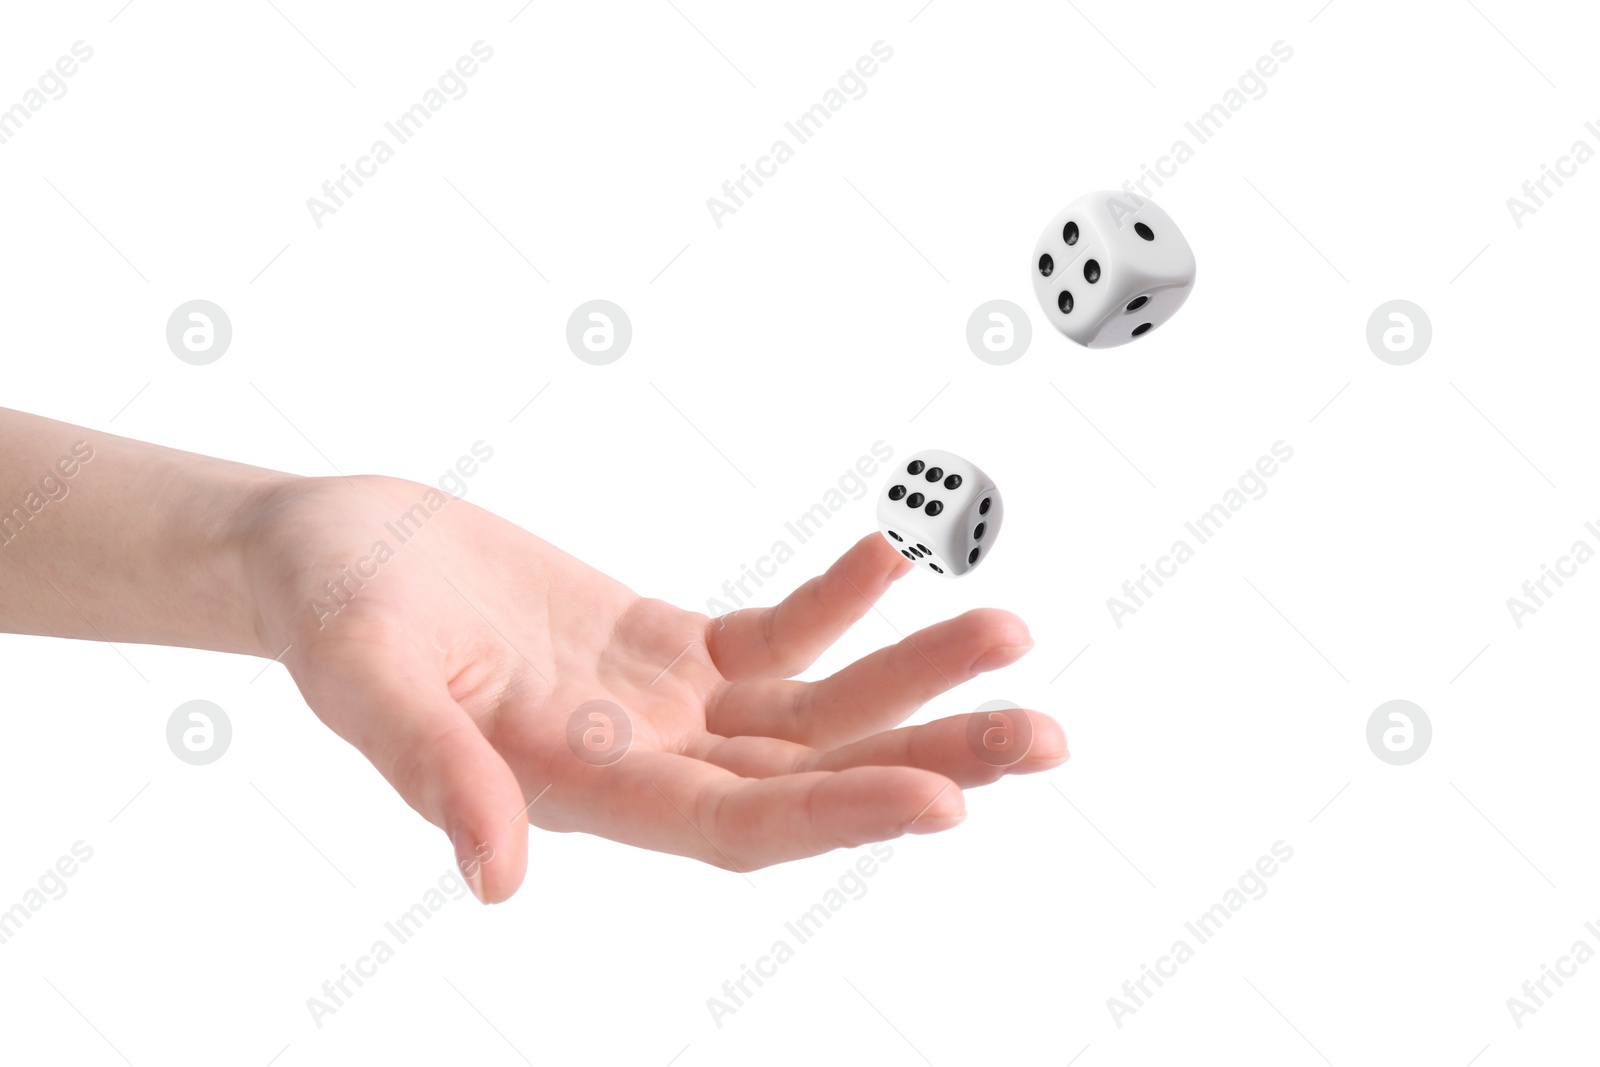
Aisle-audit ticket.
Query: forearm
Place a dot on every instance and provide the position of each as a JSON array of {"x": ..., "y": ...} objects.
[{"x": 104, "y": 538}]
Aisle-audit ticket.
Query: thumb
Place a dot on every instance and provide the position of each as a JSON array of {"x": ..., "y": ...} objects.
[{"x": 437, "y": 759}]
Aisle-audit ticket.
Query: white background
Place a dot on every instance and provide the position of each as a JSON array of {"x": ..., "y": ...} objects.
[{"x": 829, "y": 313}]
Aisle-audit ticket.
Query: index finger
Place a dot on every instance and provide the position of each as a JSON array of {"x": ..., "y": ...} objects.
[{"x": 782, "y": 641}]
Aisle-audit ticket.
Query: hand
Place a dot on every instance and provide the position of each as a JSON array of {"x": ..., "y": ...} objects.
[{"x": 454, "y": 659}]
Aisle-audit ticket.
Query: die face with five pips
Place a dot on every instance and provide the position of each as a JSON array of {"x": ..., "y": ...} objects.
[
  {"x": 941, "y": 512},
  {"x": 1110, "y": 268}
]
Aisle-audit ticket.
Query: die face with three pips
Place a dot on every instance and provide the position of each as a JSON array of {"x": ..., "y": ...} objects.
[
  {"x": 1110, "y": 268},
  {"x": 941, "y": 512}
]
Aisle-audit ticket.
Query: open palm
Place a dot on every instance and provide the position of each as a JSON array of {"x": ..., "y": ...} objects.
[{"x": 495, "y": 681}]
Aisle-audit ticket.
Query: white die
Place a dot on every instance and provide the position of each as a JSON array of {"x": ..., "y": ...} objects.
[
  {"x": 941, "y": 512},
  {"x": 1111, "y": 267}
]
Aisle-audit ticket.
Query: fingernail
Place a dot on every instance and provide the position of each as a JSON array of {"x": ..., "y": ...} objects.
[
  {"x": 996, "y": 658},
  {"x": 1043, "y": 752},
  {"x": 468, "y": 864},
  {"x": 930, "y": 824},
  {"x": 1051, "y": 749},
  {"x": 947, "y": 809}
]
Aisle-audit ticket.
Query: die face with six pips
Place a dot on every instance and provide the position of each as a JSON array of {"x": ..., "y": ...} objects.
[
  {"x": 1110, "y": 268},
  {"x": 941, "y": 512}
]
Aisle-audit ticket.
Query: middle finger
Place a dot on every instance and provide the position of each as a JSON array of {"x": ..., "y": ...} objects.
[{"x": 877, "y": 691}]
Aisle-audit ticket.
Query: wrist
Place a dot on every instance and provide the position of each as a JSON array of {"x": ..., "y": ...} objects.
[{"x": 221, "y": 520}]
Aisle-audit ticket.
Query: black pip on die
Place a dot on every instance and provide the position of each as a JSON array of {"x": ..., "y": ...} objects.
[{"x": 941, "y": 512}]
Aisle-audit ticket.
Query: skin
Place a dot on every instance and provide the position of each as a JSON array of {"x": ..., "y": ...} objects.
[{"x": 455, "y": 665}]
